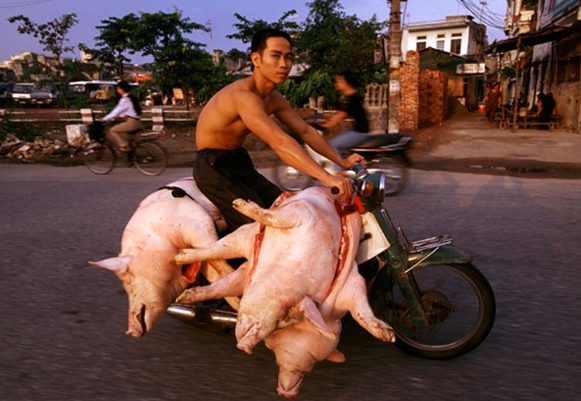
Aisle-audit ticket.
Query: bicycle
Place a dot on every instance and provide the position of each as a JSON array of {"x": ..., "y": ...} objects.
[{"x": 145, "y": 153}]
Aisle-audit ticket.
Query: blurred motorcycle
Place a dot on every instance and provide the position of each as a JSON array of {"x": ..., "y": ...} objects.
[{"x": 384, "y": 154}]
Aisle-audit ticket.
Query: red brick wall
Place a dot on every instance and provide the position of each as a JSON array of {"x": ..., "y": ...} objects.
[
  {"x": 424, "y": 95},
  {"x": 409, "y": 108},
  {"x": 433, "y": 103}
]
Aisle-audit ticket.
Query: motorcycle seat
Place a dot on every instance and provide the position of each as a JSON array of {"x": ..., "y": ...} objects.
[{"x": 379, "y": 140}]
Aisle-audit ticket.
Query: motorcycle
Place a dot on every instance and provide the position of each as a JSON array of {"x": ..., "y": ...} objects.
[
  {"x": 438, "y": 303},
  {"x": 384, "y": 153}
]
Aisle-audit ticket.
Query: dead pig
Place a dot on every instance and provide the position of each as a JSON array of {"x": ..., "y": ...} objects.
[{"x": 165, "y": 222}]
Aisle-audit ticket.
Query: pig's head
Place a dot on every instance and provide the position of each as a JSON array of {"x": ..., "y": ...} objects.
[
  {"x": 297, "y": 349},
  {"x": 151, "y": 283}
]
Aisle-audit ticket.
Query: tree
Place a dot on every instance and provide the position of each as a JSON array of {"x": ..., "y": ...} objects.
[
  {"x": 52, "y": 35},
  {"x": 332, "y": 40},
  {"x": 327, "y": 41},
  {"x": 114, "y": 42},
  {"x": 177, "y": 60},
  {"x": 247, "y": 28}
]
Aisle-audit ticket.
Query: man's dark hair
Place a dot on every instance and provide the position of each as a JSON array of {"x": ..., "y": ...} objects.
[
  {"x": 259, "y": 39},
  {"x": 351, "y": 78},
  {"x": 127, "y": 89},
  {"x": 125, "y": 86}
]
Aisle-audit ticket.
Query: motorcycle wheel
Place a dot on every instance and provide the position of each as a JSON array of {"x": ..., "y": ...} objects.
[
  {"x": 460, "y": 307},
  {"x": 291, "y": 179},
  {"x": 395, "y": 171}
]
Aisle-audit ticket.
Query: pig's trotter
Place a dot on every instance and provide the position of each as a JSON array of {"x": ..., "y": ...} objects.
[
  {"x": 192, "y": 295},
  {"x": 382, "y": 331}
]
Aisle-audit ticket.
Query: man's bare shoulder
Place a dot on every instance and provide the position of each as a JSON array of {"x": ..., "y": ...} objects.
[{"x": 240, "y": 87}]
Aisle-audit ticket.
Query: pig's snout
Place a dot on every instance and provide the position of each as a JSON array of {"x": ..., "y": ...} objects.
[
  {"x": 289, "y": 383},
  {"x": 137, "y": 326}
]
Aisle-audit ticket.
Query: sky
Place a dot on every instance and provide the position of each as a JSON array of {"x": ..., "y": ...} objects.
[{"x": 219, "y": 14}]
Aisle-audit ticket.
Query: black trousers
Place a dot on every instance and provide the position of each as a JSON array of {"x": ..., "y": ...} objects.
[{"x": 224, "y": 175}]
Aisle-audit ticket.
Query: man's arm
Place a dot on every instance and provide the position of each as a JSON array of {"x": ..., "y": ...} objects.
[
  {"x": 310, "y": 135},
  {"x": 250, "y": 108}
]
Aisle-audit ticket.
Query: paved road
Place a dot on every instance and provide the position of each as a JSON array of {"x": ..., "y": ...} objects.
[{"x": 62, "y": 322}]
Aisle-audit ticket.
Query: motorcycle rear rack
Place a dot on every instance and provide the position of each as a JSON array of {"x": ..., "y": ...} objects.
[{"x": 424, "y": 244}]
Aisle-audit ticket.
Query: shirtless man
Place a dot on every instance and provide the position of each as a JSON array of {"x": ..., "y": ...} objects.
[{"x": 223, "y": 169}]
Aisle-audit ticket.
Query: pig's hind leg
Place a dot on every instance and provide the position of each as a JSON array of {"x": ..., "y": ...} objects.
[
  {"x": 353, "y": 297},
  {"x": 232, "y": 246},
  {"x": 231, "y": 285}
]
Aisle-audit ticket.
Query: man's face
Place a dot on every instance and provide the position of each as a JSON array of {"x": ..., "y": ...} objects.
[
  {"x": 340, "y": 83},
  {"x": 276, "y": 60}
]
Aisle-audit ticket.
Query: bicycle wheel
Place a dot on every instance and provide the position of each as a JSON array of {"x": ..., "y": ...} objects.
[
  {"x": 99, "y": 157},
  {"x": 149, "y": 158},
  {"x": 460, "y": 308},
  {"x": 395, "y": 171}
]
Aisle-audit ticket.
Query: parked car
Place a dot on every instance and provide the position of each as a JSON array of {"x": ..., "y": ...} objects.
[
  {"x": 5, "y": 92},
  {"x": 96, "y": 91},
  {"x": 35, "y": 94}
]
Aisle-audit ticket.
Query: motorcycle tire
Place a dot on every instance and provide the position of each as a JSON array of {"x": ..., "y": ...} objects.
[
  {"x": 460, "y": 307},
  {"x": 290, "y": 179},
  {"x": 396, "y": 173}
]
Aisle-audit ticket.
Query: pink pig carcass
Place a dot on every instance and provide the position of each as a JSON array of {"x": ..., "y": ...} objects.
[
  {"x": 300, "y": 280},
  {"x": 166, "y": 221}
]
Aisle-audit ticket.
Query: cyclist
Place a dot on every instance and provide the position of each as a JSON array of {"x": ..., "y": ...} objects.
[{"x": 128, "y": 110}]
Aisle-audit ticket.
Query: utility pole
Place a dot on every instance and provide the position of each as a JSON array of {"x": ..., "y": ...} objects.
[{"x": 394, "y": 64}]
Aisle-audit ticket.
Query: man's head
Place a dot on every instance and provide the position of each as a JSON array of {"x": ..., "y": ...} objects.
[
  {"x": 346, "y": 81},
  {"x": 124, "y": 87},
  {"x": 259, "y": 39},
  {"x": 271, "y": 43}
]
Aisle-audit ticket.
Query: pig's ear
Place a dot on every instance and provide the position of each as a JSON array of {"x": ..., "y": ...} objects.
[
  {"x": 118, "y": 265},
  {"x": 313, "y": 316}
]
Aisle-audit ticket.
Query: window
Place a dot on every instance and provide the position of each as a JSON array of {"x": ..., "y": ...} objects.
[
  {"x": 421, "y": 43},
  {"x": 456, "y": 43},
  {"x": 440, "y": 44}
]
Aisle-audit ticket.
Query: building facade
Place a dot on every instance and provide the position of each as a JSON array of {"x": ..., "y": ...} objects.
[
  {"x": 458, "y": 35},
  {"x": 543, "y": 54}
]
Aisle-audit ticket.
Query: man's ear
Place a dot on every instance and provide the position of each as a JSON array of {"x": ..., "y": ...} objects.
[{"x": 255, "y": 58}]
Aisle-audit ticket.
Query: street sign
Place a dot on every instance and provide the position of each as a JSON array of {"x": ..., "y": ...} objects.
[{"x": 470, "y": 68}]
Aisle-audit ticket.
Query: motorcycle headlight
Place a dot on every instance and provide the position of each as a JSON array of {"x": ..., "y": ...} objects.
[{"x": 367, "y": 188}]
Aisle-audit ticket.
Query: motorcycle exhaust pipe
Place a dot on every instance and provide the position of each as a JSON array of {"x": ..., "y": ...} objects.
[{"x": 202, "y": 316}]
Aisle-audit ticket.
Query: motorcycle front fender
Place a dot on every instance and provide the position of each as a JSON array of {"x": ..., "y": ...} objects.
[{"x": 443, "y": 255}]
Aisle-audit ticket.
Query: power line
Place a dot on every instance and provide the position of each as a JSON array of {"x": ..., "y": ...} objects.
[
  {"x": 19, "y": 4},
  {"x": 487, "y": 16}
]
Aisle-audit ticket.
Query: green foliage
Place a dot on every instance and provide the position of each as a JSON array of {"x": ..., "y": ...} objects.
[
  {"x": 331, "y": 40},
  {"x": 75, "y": 70},
  {"x": 317, "y": 83},
  {"x": 23, "y": 131},
  {"x": 52, "y": 35},
  {"x": 114, "y": 41},
  {"x": 508, "y": 72},
  {"x": 162, "y": 35},
  {"x": 247, "y": 28}
]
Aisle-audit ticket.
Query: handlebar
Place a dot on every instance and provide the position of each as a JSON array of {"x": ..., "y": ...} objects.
[{"x": 360, "y": 172}]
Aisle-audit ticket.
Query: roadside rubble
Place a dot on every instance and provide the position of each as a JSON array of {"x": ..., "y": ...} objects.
[{"x": 39, "y": 149}]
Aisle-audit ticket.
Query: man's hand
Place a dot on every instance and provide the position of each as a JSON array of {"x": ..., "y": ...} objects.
[
  {"x": 343, "y": 184},
  {"x": 354, "y": 159}
]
